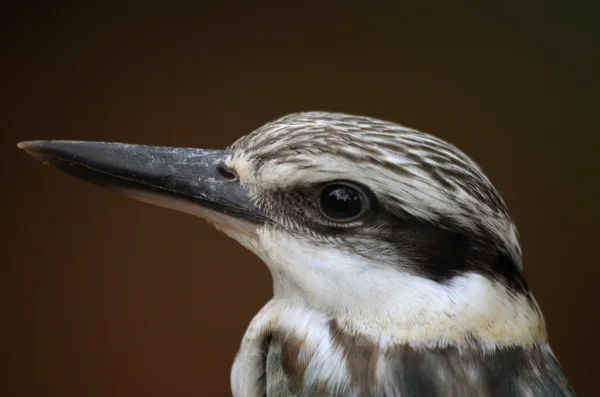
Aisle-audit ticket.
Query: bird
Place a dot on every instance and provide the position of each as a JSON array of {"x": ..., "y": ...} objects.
[{"x": 396, "y": 266}]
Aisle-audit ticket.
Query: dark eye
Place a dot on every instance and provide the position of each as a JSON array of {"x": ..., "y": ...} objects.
[{"x": 342, "y": 202}]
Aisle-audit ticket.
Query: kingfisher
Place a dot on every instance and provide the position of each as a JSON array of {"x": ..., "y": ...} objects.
[{"x": 396, "y": 266}]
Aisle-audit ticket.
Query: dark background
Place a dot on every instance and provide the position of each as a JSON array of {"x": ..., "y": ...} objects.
[{"x": 104, "y": 296}]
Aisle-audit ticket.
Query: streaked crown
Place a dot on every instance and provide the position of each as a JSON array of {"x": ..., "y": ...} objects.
[{"x": 415, "y": 177}]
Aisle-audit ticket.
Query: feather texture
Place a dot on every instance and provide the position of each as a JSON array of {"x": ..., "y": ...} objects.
[
  {"x": 320, "y": 357},
  {"x": 418, "y": 372},
  {"x": 422, "y": 297}
]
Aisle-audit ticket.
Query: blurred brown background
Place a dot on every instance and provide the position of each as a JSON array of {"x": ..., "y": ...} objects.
[{"x": 104, "y": 296}]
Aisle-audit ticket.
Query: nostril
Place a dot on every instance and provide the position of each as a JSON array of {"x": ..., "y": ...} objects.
[{"x": 227, "y": 173}]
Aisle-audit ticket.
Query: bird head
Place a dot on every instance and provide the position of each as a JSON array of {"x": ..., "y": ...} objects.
[{"x": 385, "y": 228}]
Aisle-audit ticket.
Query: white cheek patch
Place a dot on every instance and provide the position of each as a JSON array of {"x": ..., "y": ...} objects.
[{"x": 370, "y": 296}]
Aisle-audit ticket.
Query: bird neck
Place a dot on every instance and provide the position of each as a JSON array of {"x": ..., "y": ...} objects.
[
  {"x": 387, "y": 300},
  {"x": 505, "y": 322},
  {"x": 412, "y": 310},
  {"x": 374, "y": 298}
]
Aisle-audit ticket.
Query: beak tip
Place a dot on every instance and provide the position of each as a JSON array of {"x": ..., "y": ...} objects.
[
  {"x": 32, "y": 146},
  {"x": 39, "y": 150},
  {"x": 25, "y": 145}
]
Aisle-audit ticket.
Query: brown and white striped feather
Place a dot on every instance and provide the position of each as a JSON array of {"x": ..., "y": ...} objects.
[
  {"x": 508, "y": 372},
  {"x": 296, "y": 352}
]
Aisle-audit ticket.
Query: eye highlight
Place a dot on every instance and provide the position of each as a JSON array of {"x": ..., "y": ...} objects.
[{"x": 340, "y": 201}]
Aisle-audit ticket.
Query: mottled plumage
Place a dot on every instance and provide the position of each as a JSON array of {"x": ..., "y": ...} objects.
[
  {"x": 396, "y": 266},
  {"x": 511, "y": 371},
  {"x": 440, "y": 220}
]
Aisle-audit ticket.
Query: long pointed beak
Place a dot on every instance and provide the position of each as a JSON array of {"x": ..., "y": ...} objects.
[{"x": 196, "y": 181}]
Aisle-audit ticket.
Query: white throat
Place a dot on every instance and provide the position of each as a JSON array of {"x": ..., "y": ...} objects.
[{"x": 380, "y": 298}]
